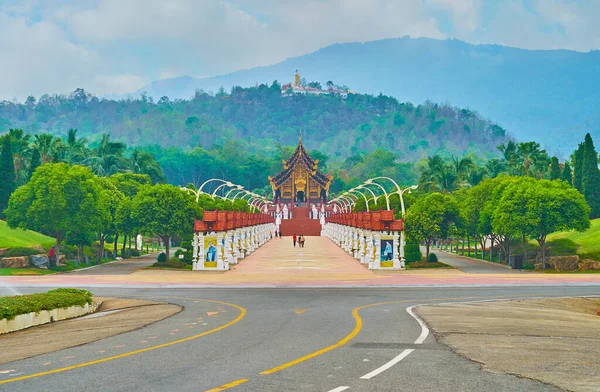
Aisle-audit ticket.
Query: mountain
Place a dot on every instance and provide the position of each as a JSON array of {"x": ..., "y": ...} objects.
[
  {"x": 262, "y": 119},
  {"x": 550, "y": 96}
]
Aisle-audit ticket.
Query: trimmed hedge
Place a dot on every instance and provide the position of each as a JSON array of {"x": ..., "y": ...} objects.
[
  {"x": 10, "y": 307},
  {"x": 432, "y": 258},
  {"x": 162, "y": 257},
  {"x": 412, "y": 252},
  {"x": 17, "y": 252}
]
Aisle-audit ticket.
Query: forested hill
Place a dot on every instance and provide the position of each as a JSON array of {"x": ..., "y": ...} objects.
[
  {"x": 550, "y": 96},
  {"x": 263, "y": 118}
]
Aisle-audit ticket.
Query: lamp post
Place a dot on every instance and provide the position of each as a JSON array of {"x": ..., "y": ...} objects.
[
  {"x": 224, "y": 185},
  {"x": 349, "y": 201},
  {"x": 363, "y": 195},
  {"x": 237, "y": 188},
  {"x": 387, "y": 197}
]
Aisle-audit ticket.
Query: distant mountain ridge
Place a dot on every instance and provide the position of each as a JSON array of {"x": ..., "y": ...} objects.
[{"x": 550, "y": 96}]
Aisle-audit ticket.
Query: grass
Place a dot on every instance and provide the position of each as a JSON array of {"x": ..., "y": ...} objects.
[
  {"x": 13, "y": 238},
  {"x": 24, "y": 271},
  {"x": 588, "y": 241},
  {"x": 10, "y": 307},
  {"x": 171, "y": 265}
]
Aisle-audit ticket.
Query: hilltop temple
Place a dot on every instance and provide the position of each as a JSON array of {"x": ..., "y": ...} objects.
[
  {"x": 298, "y": 88},
  {"x": 300, "y": 181}
]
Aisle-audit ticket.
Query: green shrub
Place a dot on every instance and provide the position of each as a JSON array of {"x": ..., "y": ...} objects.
[
  {"x": 10, "y": 307},
  {"x": 187, "y": 255},
  {"x": 173, "y": 263},
  {"x": 162, "y": 257},
  {"x": 562, "y": 247},
  {"x": 432, "y": 258},
  {"x": 16, "y": 252},
  {"x": 134, "y": 253},
  {"x": 412, "y": 252}
]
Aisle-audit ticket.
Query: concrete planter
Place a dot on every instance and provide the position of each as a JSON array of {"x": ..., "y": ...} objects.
[{"x": 32, "y": 319}]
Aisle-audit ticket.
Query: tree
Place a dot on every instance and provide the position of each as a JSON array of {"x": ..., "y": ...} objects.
[
  {"x": 107, "y": 158},
  {"x": 7, "y": 173},
  {"x": 577, "y": 159},
  {"x": 567, "y": 174},
  {"x": 166, "y": 211},
  {"x": 59, "y": 200},
  {"x": 430, "y": 218},
  {"x": 554, "y": 169},
  {"x": 590, "y": 183},
  {"x": 36, "y": 161},
  {"x": 538, "y": 208}
]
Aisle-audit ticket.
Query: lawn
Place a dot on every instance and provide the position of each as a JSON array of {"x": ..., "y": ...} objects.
[
  {"x": 24, "y": 271},
  {"x": 17, "y": 238},
  {"x": 588, "y": 241}
]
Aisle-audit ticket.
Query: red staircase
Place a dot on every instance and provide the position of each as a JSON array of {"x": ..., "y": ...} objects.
[{"x": 300, "y": 224}]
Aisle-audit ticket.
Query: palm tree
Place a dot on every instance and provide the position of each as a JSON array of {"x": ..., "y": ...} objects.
[
  {"x": 76, "y": 147},
  {"x": 438, "y": 175},
  {"x": 51, "y": 149},
  {"x": 532, "y": 161},
  {"x": 107, "y": 158},
  {"x": 142, "y": 162},
  {"x": 21, "y": 150},
  {"x": 494, "y": 167}
]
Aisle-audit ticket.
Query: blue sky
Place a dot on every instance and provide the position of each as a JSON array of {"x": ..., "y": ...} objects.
[{"x": 117, "y": 46}]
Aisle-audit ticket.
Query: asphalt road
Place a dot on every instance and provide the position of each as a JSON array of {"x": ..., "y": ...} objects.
[{"x": 259, "y": 340}]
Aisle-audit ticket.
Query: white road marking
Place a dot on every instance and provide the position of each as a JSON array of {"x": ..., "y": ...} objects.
[
  {"x": 424, "y": 329},
  {"x": 388, "y": 365},
  {"x": 405, "y": 353},
  {"x": 339, "y": 389}
]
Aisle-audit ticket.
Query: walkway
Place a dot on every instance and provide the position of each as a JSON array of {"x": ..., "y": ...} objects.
[
  {"x": 121, "y": 267},
  {"x": 320, "y": 259},
  {"x": 472, "y": 266}
]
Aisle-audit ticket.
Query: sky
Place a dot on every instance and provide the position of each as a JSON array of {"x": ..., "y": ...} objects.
[{"x": 118, "y": 46}]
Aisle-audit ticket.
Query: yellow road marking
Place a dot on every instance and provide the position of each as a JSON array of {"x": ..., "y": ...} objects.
[
  {"x": 85, "y": 364},
  {"x": 299, "y": 311},
  {"x": 227, "y": 386},
  {"x": 358, "y": 327}
]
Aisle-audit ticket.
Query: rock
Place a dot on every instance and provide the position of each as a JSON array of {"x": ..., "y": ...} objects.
[
  {"x": 62, "y": 260},
  {"x": 3, "y": 251},
  {"x": 15, "y": 262},
  {"x": 564, "y": 263},
  {"x": 40, "y": 261},
  {"x": 589, "y": 265}
]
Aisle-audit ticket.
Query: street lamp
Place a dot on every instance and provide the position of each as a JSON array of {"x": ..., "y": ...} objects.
[
  {"x": 387, "y": 197},
  {"x": 363, "y": 195},
  {"x": 237, "y": 188}
]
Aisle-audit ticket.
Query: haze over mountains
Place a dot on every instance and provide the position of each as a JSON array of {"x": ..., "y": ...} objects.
[{"x": 550, "y": 96}]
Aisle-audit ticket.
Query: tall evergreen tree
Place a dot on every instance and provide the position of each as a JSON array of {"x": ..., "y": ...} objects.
[
  {"x": 578, "y": 168},
  {"x": 591, "y": 176},
  {"x": 36, "y": 161},
  {"x": 554, "y": 169},
  {"x": 7, "y": 174},
  {"x": 567, "y": 174}
]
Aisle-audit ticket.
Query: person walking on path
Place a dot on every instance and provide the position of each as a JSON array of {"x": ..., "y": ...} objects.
[
  {"x": 294, "y": 238},
  {"x": 301, "y": 241}
]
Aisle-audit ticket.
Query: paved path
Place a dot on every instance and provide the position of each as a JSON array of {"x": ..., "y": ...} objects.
[
  {"x": 473, "y": 266},
  {"x": 121, "y": 267},
  {"x": 319, "y": 259},
  {"x": 275, "y": 340}
]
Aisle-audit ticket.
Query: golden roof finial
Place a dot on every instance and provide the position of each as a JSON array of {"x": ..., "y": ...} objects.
[{"x": 300, "y": 136}]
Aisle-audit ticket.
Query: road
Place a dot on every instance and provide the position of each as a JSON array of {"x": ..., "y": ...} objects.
[
  {"x": 330, "y": 325},
  {"x": 264, "y": 330}
]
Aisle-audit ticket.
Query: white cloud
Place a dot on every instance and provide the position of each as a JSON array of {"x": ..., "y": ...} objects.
[{"x": 114, "y": 46}]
